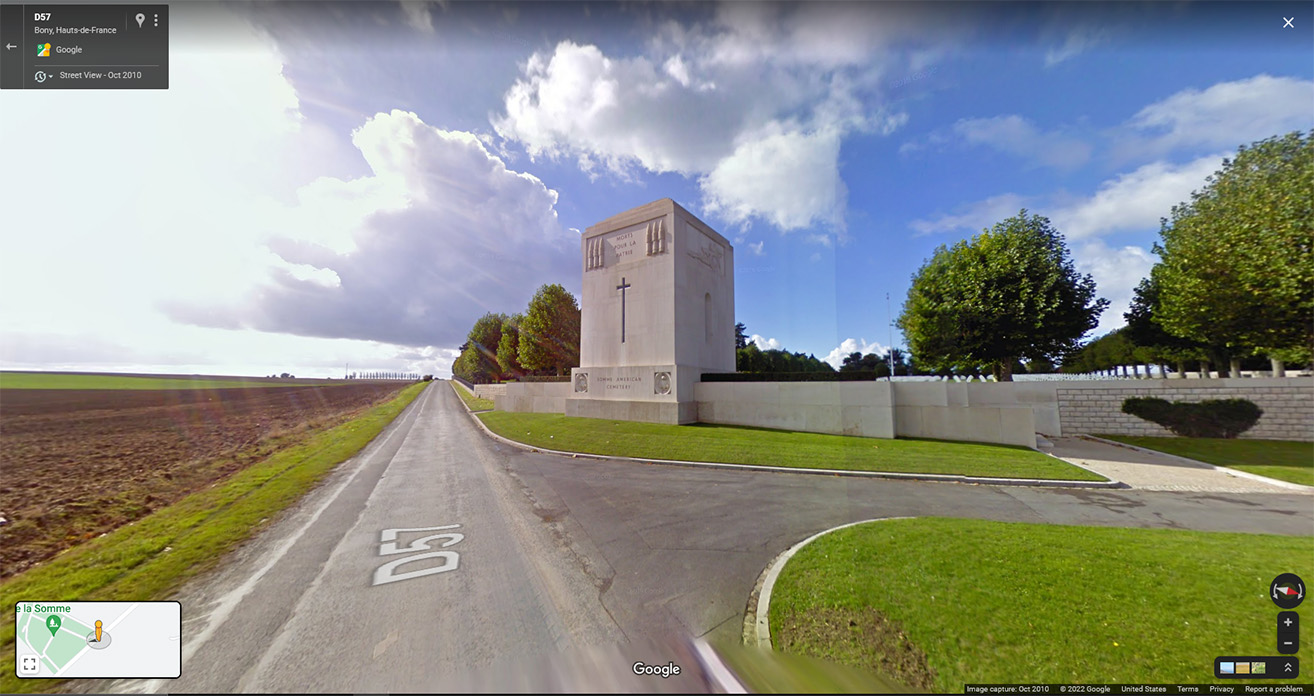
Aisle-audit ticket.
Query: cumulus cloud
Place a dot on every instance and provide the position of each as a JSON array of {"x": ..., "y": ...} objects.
[
  {"x": 1224, "y": 115},
  {"x": 1018, "y": 136},
  {"x": 753, "y": 104},
  {"x": 852, "y": 345},
  {"x": 1135, "y": 200},
  {"x": 764, "y": 343},
  {"x": 1116, "y": 272},
  {"x": 417, "y": 15},
  {"x": 444, "y": 231},
  {"x": 756, "y": 248}
]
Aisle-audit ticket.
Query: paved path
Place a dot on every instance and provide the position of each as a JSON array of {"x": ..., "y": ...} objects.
[
  {"x": 1152, "y": 471},
  {"x": 611, "y": 562}
]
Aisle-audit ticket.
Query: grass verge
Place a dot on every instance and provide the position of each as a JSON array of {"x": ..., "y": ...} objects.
[
  {"x": 154, "y": 556},
  {"x": 738, "y": 445},
  {"x": 472, "y": 402},
  {"x": 939, "y": 603},
  {"x": 1280, "y": 459}
]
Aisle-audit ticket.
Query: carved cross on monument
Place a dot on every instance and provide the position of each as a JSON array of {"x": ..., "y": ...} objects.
[{"x": 623, "y": 287}]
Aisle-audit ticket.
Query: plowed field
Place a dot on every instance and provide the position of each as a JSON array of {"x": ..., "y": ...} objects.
[{"x": 76, "y": 464}]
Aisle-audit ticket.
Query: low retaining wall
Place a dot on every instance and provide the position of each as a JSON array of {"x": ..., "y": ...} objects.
[
  {"x": 489, "y": 391},
  {"x": 839, "y": 408},
  {"x": 1096, "y": 407},
  {"x": 532, "y": 397}
]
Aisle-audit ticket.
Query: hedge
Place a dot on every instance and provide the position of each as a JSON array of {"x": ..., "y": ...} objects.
[
  {"x": 858, "y": 376},
  {"x": 1225, "y": 418}
]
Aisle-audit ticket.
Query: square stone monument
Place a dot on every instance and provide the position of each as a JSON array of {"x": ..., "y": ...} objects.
[{"x": 657, "y": 312}]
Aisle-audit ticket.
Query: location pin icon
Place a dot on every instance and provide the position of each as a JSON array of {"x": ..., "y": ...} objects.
[
  {"x": 140, "y": 18},
  {"x": 53, "y": 624}
]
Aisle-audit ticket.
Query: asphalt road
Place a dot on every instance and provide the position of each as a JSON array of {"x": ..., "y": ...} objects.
[{"x": 566, "y": 571}]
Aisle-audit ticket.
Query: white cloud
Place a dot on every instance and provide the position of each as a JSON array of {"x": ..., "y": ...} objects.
[
  {"x": 852, "y": 345},
  {"x": 1018, "y": 136},
  {"x": 789, "y": 178},
  {"x": 974, "y": 217},
  {"x": 1078, "y": 41},
  {"x": 459, "y": 235},
  {"x": 206, "y": 215},
  {"x": 1116, "y": 273},
  {"x": 753, "y": 104},
  {"x": 756, "y": 248},
  {"x": 764, "y": 343},
  {"x": 1225, "y": 115},
  {"x": 1136, "y": 200}
]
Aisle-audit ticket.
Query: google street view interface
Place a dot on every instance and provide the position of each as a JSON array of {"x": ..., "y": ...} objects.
[{"x": 371, "y": 347}]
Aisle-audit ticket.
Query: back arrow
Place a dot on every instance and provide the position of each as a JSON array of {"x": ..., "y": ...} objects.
[{"x": 10, "y": 46}]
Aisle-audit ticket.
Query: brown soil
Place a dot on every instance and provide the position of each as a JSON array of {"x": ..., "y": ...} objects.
[
  {"x": 77, "y": 464},
  {"x": 863, "y": 638}
]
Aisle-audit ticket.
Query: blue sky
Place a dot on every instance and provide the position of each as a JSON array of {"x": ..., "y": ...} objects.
[{"x": 357, "y": 182}]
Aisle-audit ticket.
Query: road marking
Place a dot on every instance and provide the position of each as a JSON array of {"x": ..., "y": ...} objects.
[
  {"x": 229, "y": 601},
  {"x": 385, "y": 573}
]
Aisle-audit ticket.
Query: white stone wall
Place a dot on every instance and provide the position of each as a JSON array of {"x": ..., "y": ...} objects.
[
  {"x": 1096, "y": 407},
  {"x": 839, "y": 408},
  {"x": 488, "y": 391},
  {"x": 533, "y": 397}
]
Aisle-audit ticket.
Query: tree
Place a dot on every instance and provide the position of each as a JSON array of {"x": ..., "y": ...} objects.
[
  {"x": 741, "y": 335},
  {"x": 549, "y": 332},
  {"x": 478, "y": 360},
  {"x": 508, "y": 346},
  {"x": 1237, "y": 261},
  {"x": 1010, "y": 293},
  {"x": 1145, "y": 332}
]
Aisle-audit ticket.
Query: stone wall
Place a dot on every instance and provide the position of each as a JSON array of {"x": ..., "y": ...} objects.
[
  {"x": 839, "y": 408},
  {"x": 488, "y": 391},
  {"x": 1096, "y": 407},
  {"x": 532, "y": 397}
]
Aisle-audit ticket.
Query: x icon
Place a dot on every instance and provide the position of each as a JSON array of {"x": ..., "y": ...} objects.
[{"x": 1288, "y": 24}]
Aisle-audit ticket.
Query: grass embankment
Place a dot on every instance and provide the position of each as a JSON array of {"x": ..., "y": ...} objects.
[
  {"x": 154, "y": 556},
  {"x": 65, "y": 380},
  {"x": 939, "y": 603},
  {"x": 738, "y": 445},
  {"x": 472, "y": 402},
  {"x": 1279, "y": 459}
]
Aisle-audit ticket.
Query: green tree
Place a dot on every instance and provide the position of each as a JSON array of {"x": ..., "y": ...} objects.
[
  {"x": 549, "y": 332},
  {"x": 741, "y": 336},
  {"x": 508, "y": 346},
  {"x": 1237, "y": 260},
  {"x": 1009, "y": 293},
  {"x": 478, "y": 360}
]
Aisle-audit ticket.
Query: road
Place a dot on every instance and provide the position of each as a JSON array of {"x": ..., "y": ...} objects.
[{"x": 567, "y": 571}]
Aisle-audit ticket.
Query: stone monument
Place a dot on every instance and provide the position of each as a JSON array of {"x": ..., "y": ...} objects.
[{"x": 657, "y": 312}]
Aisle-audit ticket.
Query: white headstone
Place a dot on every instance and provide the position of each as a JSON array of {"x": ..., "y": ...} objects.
[{"x": 657, "y": 312}]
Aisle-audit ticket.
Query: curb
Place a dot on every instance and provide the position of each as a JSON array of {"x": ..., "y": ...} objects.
[
  {"x": 943, "y": 478},
  {"x": 1232, "y": 472},
  {"x": 716, "y": 668},
  {"x": 757, "y": 625},
  {"x": 457, "y": 385}
]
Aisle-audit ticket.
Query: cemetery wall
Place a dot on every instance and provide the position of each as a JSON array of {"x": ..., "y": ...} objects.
[
  {"x": 488, "y": 391},
  {"x": 1096, "y": 407},
  {"x": 532, "y": 397},
  {"x": 839, "y": 408}
]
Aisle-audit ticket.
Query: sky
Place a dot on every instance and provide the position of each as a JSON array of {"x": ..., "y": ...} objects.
[{"x": 338, "y": 184}]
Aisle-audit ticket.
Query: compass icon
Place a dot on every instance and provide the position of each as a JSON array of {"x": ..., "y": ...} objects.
[{"x": 1287, "y": 590}]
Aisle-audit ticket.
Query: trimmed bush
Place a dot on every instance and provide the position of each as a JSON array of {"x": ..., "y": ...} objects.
[
  {"x": 1225, "y": 418},
  {"x": 545, "y": 378}
]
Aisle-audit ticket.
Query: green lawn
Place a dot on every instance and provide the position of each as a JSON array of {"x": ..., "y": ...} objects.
[
  {"x": 736, "y": 445},
  {"x": 65, "y": 380},
  {"x": 156, "y": 554},
  {"x": 472, "y": 402},
  {"x": 1279, "y": 459},
  {"x": 938, "y": 603}
]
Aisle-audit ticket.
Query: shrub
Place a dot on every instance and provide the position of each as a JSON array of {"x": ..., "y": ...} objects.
[{"x": 1224, "y": 418}]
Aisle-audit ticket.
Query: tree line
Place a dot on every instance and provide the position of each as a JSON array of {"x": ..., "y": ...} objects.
[
  {"x": 1234, "y": 282},
  {"x": 544, "y": 340}
]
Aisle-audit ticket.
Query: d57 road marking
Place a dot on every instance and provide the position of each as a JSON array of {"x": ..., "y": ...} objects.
[{"x": 386, "y": 573}]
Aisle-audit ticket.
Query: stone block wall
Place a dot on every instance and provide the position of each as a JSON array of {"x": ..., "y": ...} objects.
[
  {"x": 489, "y": 391},
  {"x": 1094, "y": 408}
]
